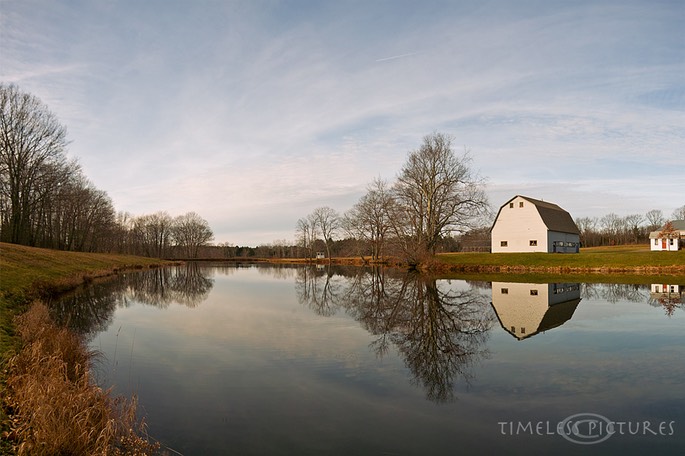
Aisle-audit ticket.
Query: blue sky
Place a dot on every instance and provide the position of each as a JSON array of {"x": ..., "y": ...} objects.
[{"x": 253, "y": 113}]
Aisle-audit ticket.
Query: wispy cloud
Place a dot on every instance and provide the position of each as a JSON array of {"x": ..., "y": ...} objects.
[{"x": 395, "y": 57}]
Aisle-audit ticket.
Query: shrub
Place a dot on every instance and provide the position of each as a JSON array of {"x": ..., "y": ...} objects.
[{"x": 53, "y": 404}]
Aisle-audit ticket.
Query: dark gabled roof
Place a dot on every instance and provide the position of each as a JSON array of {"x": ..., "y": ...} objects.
[
  {"x": 555, "y": 315},
  {"x": 553, "y": 216},
  {"x": 677, "y": 224}
]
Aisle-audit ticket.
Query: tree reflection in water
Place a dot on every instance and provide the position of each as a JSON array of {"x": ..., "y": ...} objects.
[
  {"x": 90, "y": 310},
  {"x": 438, "y": 331}
]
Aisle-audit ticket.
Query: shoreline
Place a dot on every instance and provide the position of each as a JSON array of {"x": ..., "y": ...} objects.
[{"x": 437, "y": 266}]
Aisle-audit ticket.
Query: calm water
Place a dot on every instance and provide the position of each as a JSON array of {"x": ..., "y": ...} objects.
[{"x": 289, "y": 360}]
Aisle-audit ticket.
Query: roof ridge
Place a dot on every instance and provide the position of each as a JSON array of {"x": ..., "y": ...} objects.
[{"x": 543, "y": 203}]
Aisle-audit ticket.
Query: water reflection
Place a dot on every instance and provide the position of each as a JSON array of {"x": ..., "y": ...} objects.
[
  {"x": 527, "y": 309},
  {"x": 439, "y": 332},
  {"x": 615, "y": 292},
  {"x": 668, "y": 296},
  {"x": 284, "y": 360},
  {"x": 90, "y": 310},
  {"x": 319, "y": 288}
]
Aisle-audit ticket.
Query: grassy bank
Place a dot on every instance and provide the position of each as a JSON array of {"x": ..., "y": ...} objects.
[
  {"x": 28, "y": 273},
  {"x": 50, "y": 405},
  {"x": 601, "y": 260}
]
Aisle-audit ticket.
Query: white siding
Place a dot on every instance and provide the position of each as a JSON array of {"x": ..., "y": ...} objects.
[
  {"x": 664, "y": 244},
  {"x": 517, "y": 226},
  {"x": 521, "y": 307}
]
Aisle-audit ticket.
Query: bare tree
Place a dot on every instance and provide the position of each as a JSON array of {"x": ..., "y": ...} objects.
[
  {"x": 437, "y": 193},
  {"x": 669, "y": 233},
  {"x": 306, "y": 234},
  {"x": 190, "y": 232},
  {"x": 327, "y": 220},
  {"x": 152, "y": 234},
  {"x": 611, "y": 226},
  {"x": 655, "y": 219},
  {"x": 32, "y": 144},
  {"x": 588, "y": 229},
  {"x": 369, "y": 219},
  {"x": 679, "y": 213},
  {"x": 633, "y": 227}
]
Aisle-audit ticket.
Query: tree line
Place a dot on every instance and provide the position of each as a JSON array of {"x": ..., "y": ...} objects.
[
  {"x": 613, "y": 229},
  {"x": 47, "y": 201}
]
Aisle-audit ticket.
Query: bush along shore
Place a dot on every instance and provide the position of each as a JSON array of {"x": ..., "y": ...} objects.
[{"x": 50, "y": 402}]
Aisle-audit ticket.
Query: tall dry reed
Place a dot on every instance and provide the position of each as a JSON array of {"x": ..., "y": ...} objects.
[{"x": 55, "y": 407}]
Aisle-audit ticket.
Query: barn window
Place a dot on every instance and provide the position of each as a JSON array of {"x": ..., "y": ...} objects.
[
  {"x": 533, "y": 292},
  {"x": 533, "y": 243},
  {"x": 503, "y": 244},
  {"x": 511, "y": 205},
  {"x": 523, "y": 330},
  {"x": 521, "y": 204},
  {"x": 505, "y": 290}
]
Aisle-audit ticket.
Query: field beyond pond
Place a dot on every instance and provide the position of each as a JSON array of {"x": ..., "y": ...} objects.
[{"x": 629, "y": 259}]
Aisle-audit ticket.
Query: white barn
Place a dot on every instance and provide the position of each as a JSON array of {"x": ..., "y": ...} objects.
[
  {"x": 673, "y": 240},
  {"x": 528, "y": 225}
]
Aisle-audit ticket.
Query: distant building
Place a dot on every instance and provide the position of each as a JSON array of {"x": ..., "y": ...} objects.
[
  {"x": 528, "y": 225},
  {"x": 320, "y": 255},
  {"x": 666, "y": 239},
  {"x": 527, "y": 309}
]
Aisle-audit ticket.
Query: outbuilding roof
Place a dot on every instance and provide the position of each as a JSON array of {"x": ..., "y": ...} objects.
[
  {"x": 554, "y": 217},
  {"x": 678, "y": 225}
]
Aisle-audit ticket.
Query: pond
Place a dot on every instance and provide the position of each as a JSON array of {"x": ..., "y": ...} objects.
[{"x": 266, "y": 360}]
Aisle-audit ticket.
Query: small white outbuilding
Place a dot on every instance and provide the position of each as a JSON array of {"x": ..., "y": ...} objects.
[
  {"x": 525, "y": 224},
  {"x": 670, "y": 237}
]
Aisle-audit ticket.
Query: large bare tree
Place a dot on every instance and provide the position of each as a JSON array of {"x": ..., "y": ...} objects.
[
  {"x": 190, "y": 232},
  {"x": 437, "y": 193},
  {"x": 152, "y": 234},
  {"x": 32, "y": 144}
]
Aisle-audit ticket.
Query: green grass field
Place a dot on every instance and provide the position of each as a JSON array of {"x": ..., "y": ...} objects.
[
  {"x": 617, "y": 257},
  {"x": 619, "y": 264}
]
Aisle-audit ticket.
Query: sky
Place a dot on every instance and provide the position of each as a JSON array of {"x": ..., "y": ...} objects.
[{"x": 254, "y": 113}]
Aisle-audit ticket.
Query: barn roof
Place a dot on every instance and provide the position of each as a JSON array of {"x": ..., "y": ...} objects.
[{"x": 554, "y": 217}]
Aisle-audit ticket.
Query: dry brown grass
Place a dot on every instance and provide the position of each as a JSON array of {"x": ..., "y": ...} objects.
[{"x": 54, "y": 406}]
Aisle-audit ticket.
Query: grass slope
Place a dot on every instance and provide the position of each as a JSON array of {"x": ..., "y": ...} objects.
[
  {"x": 620, "y": 264},
  {"x": 27, "y": 273},
  {"x": 637, "y": 258}
]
